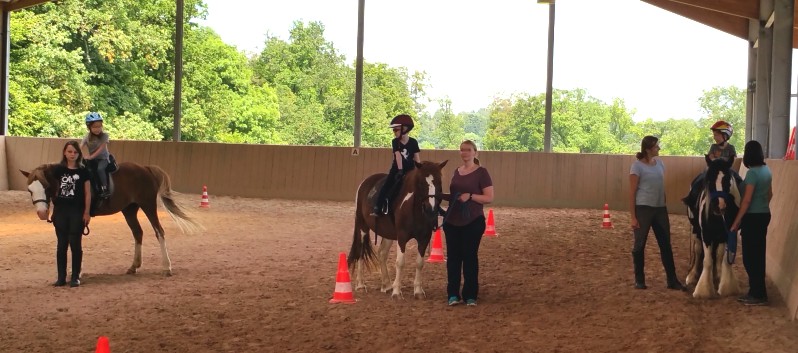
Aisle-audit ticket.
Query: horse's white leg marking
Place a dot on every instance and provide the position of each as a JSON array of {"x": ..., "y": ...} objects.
[
  {"x": 136, "y": 258},
  {"x": 165, "y": 261},
  {"x": 728, "y": 281},
  {"x": 382, "y": 258},
  {"x": 418, "y": 291},
  {"x": 431, "y": 191},
  {"x": 706, "y": 284},
  {"x": 397, "y": 282},
  {"x": 407, "y": 197},
  {"x": 358, "y": 270},
  {"x": 696, "y": 248},
  {"x": 359, "y": 276}
]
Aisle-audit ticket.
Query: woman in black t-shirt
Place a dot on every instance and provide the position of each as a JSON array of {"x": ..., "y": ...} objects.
[{"x": 71, "y": 205}]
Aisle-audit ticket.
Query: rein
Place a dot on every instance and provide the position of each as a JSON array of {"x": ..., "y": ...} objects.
[
  {"x": 731, "y": 237},
  {"x": 464, "y": 211}
]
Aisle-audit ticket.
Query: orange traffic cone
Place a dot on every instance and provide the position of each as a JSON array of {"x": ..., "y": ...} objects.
[
  {"x": 102, "y": 345},
  {"x": 490, "y": 227},
  {"x": 205, "y": 203},
  {"x": 343, "y": 287},
  {"x": 607, "y": 223},
  {"x": 436, "y": 252}
]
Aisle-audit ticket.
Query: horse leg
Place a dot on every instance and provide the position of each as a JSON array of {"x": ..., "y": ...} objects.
[
  {"x": 706, "y": 283},
  {"x": 695, "y": 247},
  {"x": 382, "y": 258},
  {"x": 397, "y": 282},
  {"x": 728, "y": 281},
  {"x": 151, "y": 211},
  {"x": 359, "y": 264},
  {"x": 418, "y": 291},
  {"x": 132, "y": 220},
  {"x": 359, "y": 284}
]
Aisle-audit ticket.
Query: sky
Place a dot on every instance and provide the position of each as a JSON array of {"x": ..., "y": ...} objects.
[{"x": 658, "y": 62}]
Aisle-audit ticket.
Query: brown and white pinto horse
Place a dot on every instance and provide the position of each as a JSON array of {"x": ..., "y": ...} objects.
[
  {"x": 413, "y": 215},
  {"x": 712, "y": 206},
  {"x": 135, "y": 187}
]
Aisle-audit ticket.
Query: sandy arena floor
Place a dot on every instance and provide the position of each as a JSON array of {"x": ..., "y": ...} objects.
[{"x": 259, "y": 278}]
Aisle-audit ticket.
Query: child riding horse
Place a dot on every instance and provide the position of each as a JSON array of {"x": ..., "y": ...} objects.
[{"x": 415, "y": 216}]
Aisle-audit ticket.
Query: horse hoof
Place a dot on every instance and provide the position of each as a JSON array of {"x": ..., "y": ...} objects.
[
  {"x": 167, "y": 273},
  {"x": 420, "y": 295},
  {"x": 395, "y": 296},
  {"x": 131, "y": 271}
]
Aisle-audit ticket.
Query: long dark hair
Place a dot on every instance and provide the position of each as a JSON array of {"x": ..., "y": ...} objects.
[
  {"x": 647, "y": 143},
  {"x": 79, "y": 161},
  {"x": 753, "y": 155}
]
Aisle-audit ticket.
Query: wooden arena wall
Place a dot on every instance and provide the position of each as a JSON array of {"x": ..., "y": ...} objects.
[{"x": 550, "y": 180}]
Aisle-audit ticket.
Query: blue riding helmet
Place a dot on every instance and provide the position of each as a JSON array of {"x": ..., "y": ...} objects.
[{"x": 92, "y": 117}]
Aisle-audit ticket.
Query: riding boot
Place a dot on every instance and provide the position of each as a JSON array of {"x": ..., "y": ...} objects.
[
  {"x": 61, "y": 264},
  {"x": 104, "y": 194},
  {"x": 640, "y": 275},
  {"x": 376, "y": 210},
  {"x": 670, "y": 272},
  {"x": 77, "y": 263}
]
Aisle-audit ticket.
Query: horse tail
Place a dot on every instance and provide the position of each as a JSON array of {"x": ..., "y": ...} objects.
[
  {"x": 361, "y": 250},
  {"x": 186, "y": 223},
  {"x": 361, "y": 245}
]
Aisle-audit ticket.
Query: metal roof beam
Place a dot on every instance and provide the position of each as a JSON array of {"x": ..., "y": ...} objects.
[
  {"x": 731, "y": 24},
  {"x": 21, "y": 4},
  {"x": 744, "y": 8}
]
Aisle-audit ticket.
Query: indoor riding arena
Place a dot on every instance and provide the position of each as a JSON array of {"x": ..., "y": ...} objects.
[{"x": 260, "y": 275}]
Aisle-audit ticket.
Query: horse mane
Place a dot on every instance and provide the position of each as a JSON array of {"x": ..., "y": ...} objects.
[
  {"x": 43, "y": 173},
  {"x": 728, "y": 183}
]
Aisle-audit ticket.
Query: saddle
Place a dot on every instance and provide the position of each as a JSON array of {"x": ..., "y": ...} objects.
[
  {"x": 112, "y": 167},
  {"x": 391, "y": 195}
]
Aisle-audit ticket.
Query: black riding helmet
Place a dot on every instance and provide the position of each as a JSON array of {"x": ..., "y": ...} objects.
[{"x": 402, "y": 120}]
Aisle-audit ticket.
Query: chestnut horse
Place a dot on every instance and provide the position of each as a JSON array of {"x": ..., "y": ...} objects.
[
  {"x": 413, "y": 215},
  {"x": 135, "y": 187}
]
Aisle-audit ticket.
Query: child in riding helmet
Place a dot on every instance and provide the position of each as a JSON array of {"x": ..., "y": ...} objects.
[
  {"x": 405, "y": 155},
  {"x": 97, "y": 142},
  {"x": 721, "y": 133}
]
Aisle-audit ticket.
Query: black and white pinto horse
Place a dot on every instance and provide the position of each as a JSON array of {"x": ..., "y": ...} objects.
[
  {"x": 413, "y": 215},
  {"x": 712, "y": 206}
]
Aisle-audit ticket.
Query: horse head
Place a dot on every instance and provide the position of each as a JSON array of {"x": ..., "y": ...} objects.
[
  {"x": 40, "y": 187},
  {"x": 426, "y": 181},
  {"x": 720, "y": 188}
]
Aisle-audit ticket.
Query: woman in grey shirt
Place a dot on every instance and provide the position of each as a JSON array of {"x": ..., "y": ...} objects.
[{"x": 648, "y": 211}]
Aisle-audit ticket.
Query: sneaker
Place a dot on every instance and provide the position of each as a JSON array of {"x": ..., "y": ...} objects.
[
  {"x": 471, "y": 302},
  {"x": 59, "y": 283},
  {"x": 640, "y": 285},
  {"x": 744, "y": 298},
  {"x": 74, "y": 283},
  {"x": 454, "y": 301}
]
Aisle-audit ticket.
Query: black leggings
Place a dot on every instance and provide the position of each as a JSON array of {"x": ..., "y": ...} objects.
[
  {"x": 462, "y": 250},
  {"x": 753, "y": 232},
  {"x": 69, "y": 231}
]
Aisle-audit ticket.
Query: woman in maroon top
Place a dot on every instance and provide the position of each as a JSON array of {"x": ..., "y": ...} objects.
[{"x": 471, "y": 187}]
